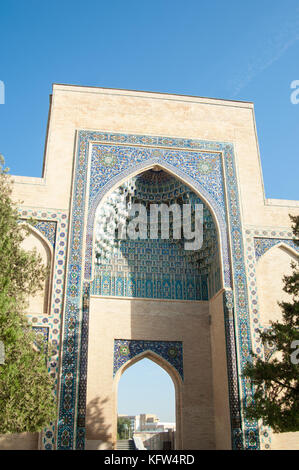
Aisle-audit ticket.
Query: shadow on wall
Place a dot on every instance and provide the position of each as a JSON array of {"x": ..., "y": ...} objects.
[
  {"x": 98, "y": 432},
  {"x": 157, "y": 441},
  {"x": 23, "y": 441}
]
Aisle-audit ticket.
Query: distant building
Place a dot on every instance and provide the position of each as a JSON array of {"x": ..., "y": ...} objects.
[
  {"x": 132, "y": 419},
  {"x": 147, "y": 423},
  {"x": 161, "y": 427}
]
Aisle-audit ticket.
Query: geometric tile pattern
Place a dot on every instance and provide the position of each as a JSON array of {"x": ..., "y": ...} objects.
[
  {"x": 240, "y": 306},
  {"x": 171, "y": 351},
  {"x": 233, "y": 383},
  {"x": 200, "y": 164},
  {"x": 151, "y": 286},
  {"x": 81, "y": 406}
]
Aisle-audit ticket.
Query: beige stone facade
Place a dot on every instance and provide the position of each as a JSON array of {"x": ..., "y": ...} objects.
[{"x": 205, "y": 394}]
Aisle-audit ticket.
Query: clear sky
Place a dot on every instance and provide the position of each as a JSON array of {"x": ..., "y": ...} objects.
[
  {"x": 146, "y": 388},
  {"x": 223, "y": 49}
]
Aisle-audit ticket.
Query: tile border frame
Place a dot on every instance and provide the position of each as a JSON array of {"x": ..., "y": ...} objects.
[
  {"x": 75, "y": 316},
  {"x": 52, "y": 320}
]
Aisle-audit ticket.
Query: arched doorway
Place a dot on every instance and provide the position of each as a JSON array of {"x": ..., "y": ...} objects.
[{"x": 157, "y": 406}]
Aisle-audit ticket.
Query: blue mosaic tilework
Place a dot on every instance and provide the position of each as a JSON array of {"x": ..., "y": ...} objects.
[
  {"x": 48, "y": 229},
  {"x": 170, "y": 287},
  {"x": 124, "y": 156},
  {"x": 80, "y": 438},
  {"x": 241, "y": 301},
  {"x": 232, "y": 370},
  {"x": 171, "y": 351},
  {"x": 261, "y": 245},
  {"x": 195, "y": 169}
]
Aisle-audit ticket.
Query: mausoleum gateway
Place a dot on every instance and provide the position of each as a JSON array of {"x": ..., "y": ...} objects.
[{"x": 104, "y": 307}]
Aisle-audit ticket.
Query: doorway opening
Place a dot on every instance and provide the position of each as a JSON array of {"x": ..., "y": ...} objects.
[{"x": 148, "y": 404}]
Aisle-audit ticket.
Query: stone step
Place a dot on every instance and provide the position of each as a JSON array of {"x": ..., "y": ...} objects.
[{"x": 125, "y": 444}]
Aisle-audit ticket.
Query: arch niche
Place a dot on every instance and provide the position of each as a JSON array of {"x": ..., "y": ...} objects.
[
  {"x": 271, "y": 267},
  {"x": 143, "y": 319},
  {"x": 196, "y": 187},
  {"x": 40, "y": 302}
]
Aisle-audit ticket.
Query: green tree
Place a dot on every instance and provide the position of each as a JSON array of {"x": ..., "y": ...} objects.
[
  {"x": 123, "y": 428},
  {"x": 27, "y": 401},
  {"x": 276, "y": 382}
]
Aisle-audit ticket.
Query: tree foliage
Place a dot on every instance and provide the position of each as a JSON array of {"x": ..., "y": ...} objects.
[
  {"x": 276, "y": 381},
  {"x": 123, "y": 428},
  {"x": 26, "y": 390}
]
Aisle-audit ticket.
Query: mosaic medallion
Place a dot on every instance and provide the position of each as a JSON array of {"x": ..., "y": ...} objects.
[
  {"x": 107, "y": 159},
  {"x": 205, "y": 167}
]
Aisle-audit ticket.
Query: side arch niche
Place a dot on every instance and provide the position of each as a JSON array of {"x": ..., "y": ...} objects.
[
  {"x": 40, "y": 302},
  {"x": 271, "y": 267}
]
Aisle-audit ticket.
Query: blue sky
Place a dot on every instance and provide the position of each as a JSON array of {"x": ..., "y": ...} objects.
[
  {"x": 224, "y": 49},
  {"x": 146, "y": 388},
  {"x": 232, "y": 50}
]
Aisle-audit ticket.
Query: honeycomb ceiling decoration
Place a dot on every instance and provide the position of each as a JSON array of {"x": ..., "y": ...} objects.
[{"x": 150, "y": 187}]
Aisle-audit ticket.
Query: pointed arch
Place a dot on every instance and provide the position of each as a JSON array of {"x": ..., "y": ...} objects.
[
  {"x": 291, "y": 251},
  {"x": 271, "y": 268},
  {"x": 195, "y": 186},
  {"x": 177, "y": 382},
  {"x": 264, "y": 245},
  {"x": 38, "y": 235},
  {"x": 48, "y": 250}
]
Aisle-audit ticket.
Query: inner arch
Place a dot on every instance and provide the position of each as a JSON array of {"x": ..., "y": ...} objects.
[
  {"x": 155, "y": 268},
  {"x": 150, "y": 404}
]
